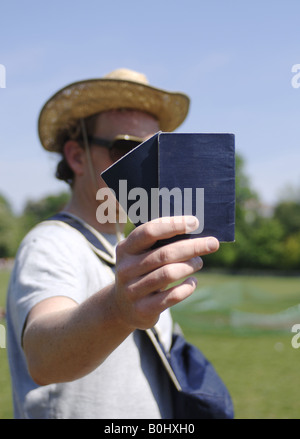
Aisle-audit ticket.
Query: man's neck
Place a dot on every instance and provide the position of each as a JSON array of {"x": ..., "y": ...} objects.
[{"x": 89, "y": 216}]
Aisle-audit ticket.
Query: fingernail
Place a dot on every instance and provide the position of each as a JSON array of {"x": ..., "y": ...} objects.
[
  {"x": 212, "y": 244},
  {"x": 193, "y": 281},
  {"x": 191, "y": 223}
]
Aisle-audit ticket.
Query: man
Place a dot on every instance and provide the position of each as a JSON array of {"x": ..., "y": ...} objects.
[{"x": 74, "y": 340}]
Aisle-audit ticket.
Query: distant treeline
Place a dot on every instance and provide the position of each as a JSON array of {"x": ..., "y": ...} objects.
[{"x": 264, "y": 239}]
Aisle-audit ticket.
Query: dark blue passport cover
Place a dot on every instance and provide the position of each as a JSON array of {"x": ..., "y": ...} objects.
[{"x": 200, "y": 166}]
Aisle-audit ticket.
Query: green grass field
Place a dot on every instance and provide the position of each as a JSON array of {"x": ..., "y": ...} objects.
[
  {"x": 257, "y": 363},
  {"x": 5, "y": 388}
]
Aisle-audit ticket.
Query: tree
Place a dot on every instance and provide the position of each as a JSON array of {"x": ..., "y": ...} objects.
[
  {"x": 37, "y": 211},
  {"x": 8, "y": 229},
  {"x": 288, "y": 213}
]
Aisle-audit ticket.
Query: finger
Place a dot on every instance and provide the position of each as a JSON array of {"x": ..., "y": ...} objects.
[
  {"x": 160, "y": 301},
  {"x": 146, "y": 235},
  {"x": 179, "y": 251},
  {"x": 177, "y": 293},
  {"x": 162, "y": 277}
]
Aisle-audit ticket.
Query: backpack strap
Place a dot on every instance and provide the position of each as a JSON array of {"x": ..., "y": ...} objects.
[
  {"x": 158, "y": 346},
  {"x": 98, "y": 243}
]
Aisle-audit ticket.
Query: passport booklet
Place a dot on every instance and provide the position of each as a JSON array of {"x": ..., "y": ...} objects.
[{"x": 174, "y": 174}]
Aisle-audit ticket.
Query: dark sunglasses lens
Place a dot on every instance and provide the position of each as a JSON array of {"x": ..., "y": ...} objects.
[{"x": 121, "y": 147}]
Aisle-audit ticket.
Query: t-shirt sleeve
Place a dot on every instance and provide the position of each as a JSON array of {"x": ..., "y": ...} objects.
[{"x": 48, "y": 264}]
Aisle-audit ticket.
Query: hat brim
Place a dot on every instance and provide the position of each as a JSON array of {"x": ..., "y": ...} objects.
[{"x": 85, "y": 98}]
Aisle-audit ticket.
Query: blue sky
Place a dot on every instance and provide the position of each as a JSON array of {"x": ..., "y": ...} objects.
[{"x": 233, "y": 58}]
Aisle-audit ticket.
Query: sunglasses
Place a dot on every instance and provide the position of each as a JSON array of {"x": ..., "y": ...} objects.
[{"x": 119, "y": 146}]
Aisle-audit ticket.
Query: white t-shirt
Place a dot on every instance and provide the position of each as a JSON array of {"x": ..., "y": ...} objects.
[{"x": 54, "y": 259}]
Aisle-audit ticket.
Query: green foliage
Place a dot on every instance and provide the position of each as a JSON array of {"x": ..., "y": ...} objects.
[
  {"x": 8, "y": 229},
  {"x": 291, "y": 252},
  {"x": 37, "y": 211},
  {"x": 267, "y": 242},
  {"x": 243, "y": 190},
  {"x": 13, "y": 228},
  {"x": 259, "y": 245},
  {"x": 288, "y": 213}
]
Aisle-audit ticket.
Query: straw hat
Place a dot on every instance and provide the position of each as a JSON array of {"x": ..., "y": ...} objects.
[{"x": 121, "y": 88}]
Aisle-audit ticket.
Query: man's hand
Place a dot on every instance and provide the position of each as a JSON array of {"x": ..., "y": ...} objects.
[
  {"x": 143, "y": 275},
  {"x": 64, "y": 340}
]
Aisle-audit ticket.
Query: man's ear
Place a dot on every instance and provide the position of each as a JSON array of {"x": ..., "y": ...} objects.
[{"x": 75, "y": 156}]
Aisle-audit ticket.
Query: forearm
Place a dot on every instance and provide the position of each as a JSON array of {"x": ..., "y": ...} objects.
[{"x": 67, "y": 344}]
